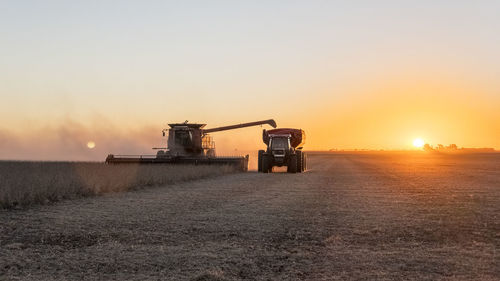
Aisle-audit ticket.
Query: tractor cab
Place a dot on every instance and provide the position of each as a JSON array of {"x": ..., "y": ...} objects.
[{"x": 278, "y": 146}]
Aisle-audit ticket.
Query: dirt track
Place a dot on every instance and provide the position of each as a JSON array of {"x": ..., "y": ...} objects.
[{"x": 351, "y": 217}]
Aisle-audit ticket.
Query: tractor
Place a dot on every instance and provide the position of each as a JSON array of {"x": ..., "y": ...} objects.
[{"x": 284, "y": 148}]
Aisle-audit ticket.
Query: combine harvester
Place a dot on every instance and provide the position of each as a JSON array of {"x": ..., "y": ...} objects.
[
  {"x": 284, "y": 148},
  {"x": 190, "y": 144}
]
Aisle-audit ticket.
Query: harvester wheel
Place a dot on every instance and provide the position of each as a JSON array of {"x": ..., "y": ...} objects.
[
  {"x": 292, "y": 164},
  {"x": 211, "y": 152},
  {"x": 300, "y": 161},
  {"x": 259, "y": 159},
  {"x": 160, "y": 153}
]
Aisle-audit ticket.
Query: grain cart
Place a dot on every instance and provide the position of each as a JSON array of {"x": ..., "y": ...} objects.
[
  {"x": 189, "y": 143},
  {"x": 284, "y": 148}
]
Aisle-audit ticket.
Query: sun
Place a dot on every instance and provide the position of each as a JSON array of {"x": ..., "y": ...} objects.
[
  {"x": 91, "y": 144},
  {"x": 418, "y": 143}
]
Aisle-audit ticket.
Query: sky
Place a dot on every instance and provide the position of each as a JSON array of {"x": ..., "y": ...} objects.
[{"x": 352, "y": 74}]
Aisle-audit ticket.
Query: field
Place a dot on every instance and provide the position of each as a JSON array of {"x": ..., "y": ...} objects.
[{"x": 383, "y": 216}]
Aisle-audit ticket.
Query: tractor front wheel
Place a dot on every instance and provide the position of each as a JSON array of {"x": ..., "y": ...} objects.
[
  {"x": 259, "y": 159},
  {"x": 266, "y": 164}
]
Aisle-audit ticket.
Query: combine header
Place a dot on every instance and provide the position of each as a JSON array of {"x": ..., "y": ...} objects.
[{"x": 190, "y": 144}]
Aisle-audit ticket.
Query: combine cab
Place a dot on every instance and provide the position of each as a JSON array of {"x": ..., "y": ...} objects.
[
  {"x": 284, "y": 148},
  {"x": 190, "y": 144}
]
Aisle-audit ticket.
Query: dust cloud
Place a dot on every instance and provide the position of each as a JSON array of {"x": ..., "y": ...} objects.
[{"x": 68, "y": 142}]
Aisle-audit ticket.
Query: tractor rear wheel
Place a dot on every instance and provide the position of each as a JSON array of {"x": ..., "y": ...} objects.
[
  {"x": 292, "y": 164},
  {"x": 259, "y": 159}
]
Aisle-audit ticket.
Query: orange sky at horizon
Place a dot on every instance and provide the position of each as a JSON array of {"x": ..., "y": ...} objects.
[{"x": 384, "y": 116}]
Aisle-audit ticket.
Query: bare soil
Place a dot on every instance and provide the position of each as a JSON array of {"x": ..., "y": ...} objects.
[{"x": 410, "y": 216}]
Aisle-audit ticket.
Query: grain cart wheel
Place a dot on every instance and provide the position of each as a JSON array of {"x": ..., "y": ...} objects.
[
  {"x": 266, "y": 164},
  {"x": 259, "y": 159},
  {"x": 292, "y": 164},
  {"x": 300, "y": 161},
  {"x": 304, "y": 160}
]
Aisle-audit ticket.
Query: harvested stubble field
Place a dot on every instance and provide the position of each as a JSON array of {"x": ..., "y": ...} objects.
[
  {"x": 404, "y": 216},
  {"x": 27, "y": 183}
]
